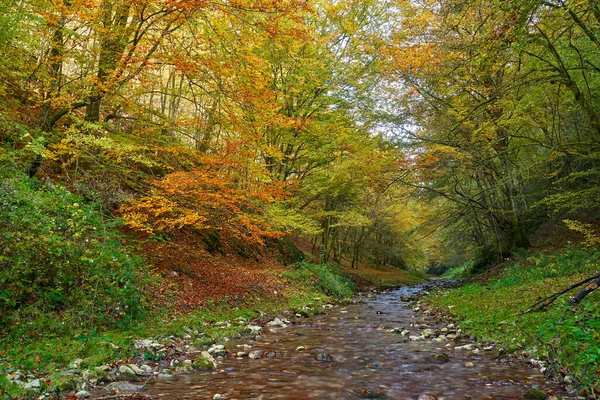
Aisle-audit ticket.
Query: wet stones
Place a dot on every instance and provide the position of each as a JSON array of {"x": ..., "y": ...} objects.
[
  {"x": 119, "y": 387},
  {"x": 467, "y": 347},
  {"x": 324, "y": 357},
  {"x": 217, "y": 350},
  {"x": 279, "y": 323},
  {"x": 426, "y": 333},
  {"x": 370, "y": 394},
  {"x": 439, "y": 358},
  {"x": 255, "y": 355},
  {"x": 271, "y": 354}
]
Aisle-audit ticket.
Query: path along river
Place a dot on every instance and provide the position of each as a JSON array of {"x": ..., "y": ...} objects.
[{"x": 367, "y": 361}]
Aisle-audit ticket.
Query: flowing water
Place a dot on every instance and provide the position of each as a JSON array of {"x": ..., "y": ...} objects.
[{"x": 367, "y": 361}]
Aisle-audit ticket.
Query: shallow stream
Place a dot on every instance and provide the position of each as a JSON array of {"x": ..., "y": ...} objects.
[{"x": 367, "y": 361}]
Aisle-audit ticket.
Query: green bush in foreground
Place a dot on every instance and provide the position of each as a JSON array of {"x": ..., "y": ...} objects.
[
  {"x": 323, "y": 277},
  {"x": 568, "y": 336},
  {"x": 61, "y": 263}
]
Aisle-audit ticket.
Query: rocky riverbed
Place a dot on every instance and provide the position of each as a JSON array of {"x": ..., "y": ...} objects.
[{"x": 383, "y": 345}]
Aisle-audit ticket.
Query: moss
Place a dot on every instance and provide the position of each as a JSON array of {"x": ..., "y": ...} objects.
[
  {"x": 65, "y": 383},
  {"x": 203, "y": 364},
  {"x": 204, "y": 342},
  {"x": 534, "y": 394}
]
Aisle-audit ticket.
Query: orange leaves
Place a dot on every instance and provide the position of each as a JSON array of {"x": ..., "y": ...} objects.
[{"x": 227, "y": 193}]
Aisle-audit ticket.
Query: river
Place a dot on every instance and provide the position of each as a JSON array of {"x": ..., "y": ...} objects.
[{"x": 350, "y": 352}]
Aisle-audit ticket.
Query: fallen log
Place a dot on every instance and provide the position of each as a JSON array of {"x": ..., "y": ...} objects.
[
  {"x": 584, "y": 292},
  {"x": 545, "y": 302}
]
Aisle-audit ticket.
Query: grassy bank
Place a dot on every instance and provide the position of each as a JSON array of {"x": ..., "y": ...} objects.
[{"x": 568, "y": 336}]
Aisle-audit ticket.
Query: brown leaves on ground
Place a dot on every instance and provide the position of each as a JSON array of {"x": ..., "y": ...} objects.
[{"x": 197, "y": 276}]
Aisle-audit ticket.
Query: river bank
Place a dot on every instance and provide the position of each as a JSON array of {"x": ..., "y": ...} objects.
[
  {"x": 172, "y": 341},
  {"x": 382, "y": 345},
  {"x": 379, "y": 345},
  {"x": 561, "y": 339}
]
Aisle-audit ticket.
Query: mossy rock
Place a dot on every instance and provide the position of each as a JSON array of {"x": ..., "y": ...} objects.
[
  {"x": 35, "y": 388},
  {"x": 203, "y": 364},
  {"x": 535, "y": 394},
  {"x": 66, "y": 383},
  {"x": 92, "y": 361},
  {"x": 246, "y": 332},
  {"x": 96, "y": 375},
  {"x": 303, "y": 313},
  {"x": 202, "y": 342}
]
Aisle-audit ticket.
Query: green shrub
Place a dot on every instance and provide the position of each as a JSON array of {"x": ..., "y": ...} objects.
[
  {"x": 323, "y": 277},
  {"x": 61, "y": 262}
]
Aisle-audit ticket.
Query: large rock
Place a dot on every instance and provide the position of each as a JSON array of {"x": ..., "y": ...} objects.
[
  {"x": 120, "y": 387},
  {"x": 36, "y": 384},
  {"x": 126, "y": 373},
  {"x": 96, "y": 375},
  {"x": 278, "y": 323},
  {"x": 185, "y": 366},
  {"x": 217, "y": 350}
]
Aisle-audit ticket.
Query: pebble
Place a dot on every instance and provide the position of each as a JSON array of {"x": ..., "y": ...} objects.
[
  {"x": 255, "y": 355},
  {"x": 220, "y": 397}
]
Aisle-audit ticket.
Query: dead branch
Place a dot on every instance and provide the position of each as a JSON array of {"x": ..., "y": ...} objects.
[{"x": 545, "y": 302}]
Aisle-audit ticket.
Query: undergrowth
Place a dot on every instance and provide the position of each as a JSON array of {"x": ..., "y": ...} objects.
[
  {"x": 62, "y": 265},
  {"x": 568, "y": 336},
  {"x": 326, "y": 278}
]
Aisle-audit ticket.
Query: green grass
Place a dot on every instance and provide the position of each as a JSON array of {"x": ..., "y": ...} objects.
[
  {"x": 570, "y": 337},
  {"x": 326, "y": 278},
  {"x": 462, "y": 271}
]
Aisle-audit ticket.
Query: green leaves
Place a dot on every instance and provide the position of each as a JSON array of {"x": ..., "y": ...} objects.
[{"x": 59, "y": 259}]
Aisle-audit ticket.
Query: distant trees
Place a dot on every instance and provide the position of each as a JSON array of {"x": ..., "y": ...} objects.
[{"x": 503, "y": 106}]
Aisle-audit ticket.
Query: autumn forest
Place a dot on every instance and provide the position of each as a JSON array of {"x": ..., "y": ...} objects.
[{"x": 159, "y": 154}]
